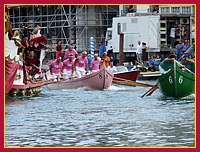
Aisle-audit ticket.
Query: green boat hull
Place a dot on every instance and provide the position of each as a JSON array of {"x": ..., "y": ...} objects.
[{"x": 177, "y": 83}]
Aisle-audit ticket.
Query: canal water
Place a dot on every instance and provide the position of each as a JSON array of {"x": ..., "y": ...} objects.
[{"x": 113, "y": 117}]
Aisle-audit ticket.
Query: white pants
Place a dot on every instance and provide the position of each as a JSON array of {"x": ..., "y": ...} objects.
[
  {"x": 139, "y": 58},
  {"x": 56, "y": 76},
  {"x": 80, "y": 72},
  {"x": 94, "y": 71},
  {"x": 67, "y": 74}
]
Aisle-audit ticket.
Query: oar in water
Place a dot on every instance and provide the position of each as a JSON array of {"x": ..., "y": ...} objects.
[
  {"x": 130, "y": 83},
  {"x": 150, "y": 91}
]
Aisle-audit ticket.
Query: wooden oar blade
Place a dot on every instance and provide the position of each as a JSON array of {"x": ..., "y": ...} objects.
[
  {"x": 152, "y": 91},
  {"x": 130, "y": 83}
]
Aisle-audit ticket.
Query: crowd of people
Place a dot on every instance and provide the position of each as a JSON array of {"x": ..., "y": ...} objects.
[
  {"x": 146, "y": 63},
  {"x": 75, "y": 65},
  {"x": 72, "y": 64}
]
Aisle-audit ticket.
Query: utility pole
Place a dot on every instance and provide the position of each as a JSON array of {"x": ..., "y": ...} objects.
[{"x": 121, "y": 47}]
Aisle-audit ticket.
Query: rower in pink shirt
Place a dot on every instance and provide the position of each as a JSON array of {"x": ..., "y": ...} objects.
[
  {"x": 81, "y": 65},
  {"x": 68, "y": 66},
  {"x": 69, "y": 51},
  {"x": 55, "y": 68},
  {"x": 95, "y": 64}
]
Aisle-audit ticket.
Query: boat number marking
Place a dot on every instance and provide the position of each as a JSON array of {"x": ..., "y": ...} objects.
[
  {"x": 100, "y": 76},
  {"x": 180, "y": 79},
  {"x": 170, "y": 79}
]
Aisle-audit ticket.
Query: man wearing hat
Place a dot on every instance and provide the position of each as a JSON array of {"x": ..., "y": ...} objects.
[
  {"x": 81, "y": 65},
  {"x": 55, "y": 68},
  {"x": 95, "y": 64},
  {"x": 68, "y": 66}
]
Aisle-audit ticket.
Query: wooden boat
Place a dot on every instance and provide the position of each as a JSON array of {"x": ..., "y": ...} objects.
[
  {"x": 149, "y": 75},
  {"x": 176, "y": 81},
  {"x": 15, "y": 72},
  {"x": 123, "y": 73},
  {"x": 98, "y": 80}
]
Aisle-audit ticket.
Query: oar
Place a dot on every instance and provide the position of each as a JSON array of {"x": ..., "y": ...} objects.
[
  {"x": 184, "y": 54},
  {"x": 130, "y": 83},
  {"x": 185, "y": 67},
  {"x": 150, "y": 91},
  {"x": 51, "y": 82}
]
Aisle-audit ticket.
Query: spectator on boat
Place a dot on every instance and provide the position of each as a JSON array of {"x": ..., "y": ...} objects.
[
  {"x": 33, "y": 64},
  {"x": 151, "y": 65},
  {"x": 68, "y": 66},
  {"x": 157, "y": 61},
  {"x": 81, "y": 65},
  {"x": 136, "y": 65},
  {"x": 95, "y": 64},
  {"x": 144, "y": 54},
  {"x": 89, "y": 58},
  {"x": 112, "y": 68},
  {"x": 139, "y": 52},
  {"x": 69, "y": 51},
  {"x": 105, "y": 60},
  {"x": 55, "y": 68},
  {"x": 191, "y": 50},
  {"x": 59, "y": 49},
  {"x": 30, "y": 48},
  {"x": 179, "y": 51},
  {"x": 187, "y": 47},
  {"x": 102, "y": 49}
]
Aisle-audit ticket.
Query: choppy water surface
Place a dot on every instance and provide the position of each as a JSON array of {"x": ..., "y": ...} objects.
[{"x": 113, "y": 117}]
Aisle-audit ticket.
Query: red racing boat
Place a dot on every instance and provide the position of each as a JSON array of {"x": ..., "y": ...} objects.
[{"x": 123, "y": 73}]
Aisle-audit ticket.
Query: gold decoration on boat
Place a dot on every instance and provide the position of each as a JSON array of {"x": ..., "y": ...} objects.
[
  {"x": 18, "y": 76},
  {"x": 13, "y": 59}
]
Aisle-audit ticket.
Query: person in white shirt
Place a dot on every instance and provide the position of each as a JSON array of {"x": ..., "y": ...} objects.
[
  {"x": 112, "y": 68},
  {"x": 172, "y": 35},
  {"x": 139, "y": 52}
]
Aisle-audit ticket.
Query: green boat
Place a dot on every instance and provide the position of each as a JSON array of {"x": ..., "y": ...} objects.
[{"x": 176, "y": 80}]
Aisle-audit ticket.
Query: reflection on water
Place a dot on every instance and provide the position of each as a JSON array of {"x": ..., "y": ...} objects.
[{"x": 113, "y": 117}]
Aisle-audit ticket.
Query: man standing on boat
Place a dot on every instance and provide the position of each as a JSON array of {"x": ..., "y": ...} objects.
[
  {"x": 139, "y": 52},
  {"x": 105, "y": 60},
  {"x": 95, "y": 64},
  {"x": 81, "y": 65},
  {"x": 33, "y": 64},
  {"x": 179, "y": 51},
  {"x": 55, "y": 68},
  {"x": 68, "y": 66},
  {"x": 102, "y": 49},
  {"x": 59, "y": 49},
  {"x": 69, "y": 51}
]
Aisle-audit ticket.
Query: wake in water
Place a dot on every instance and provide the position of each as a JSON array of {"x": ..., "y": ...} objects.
[{"x": 183, "y": 100}]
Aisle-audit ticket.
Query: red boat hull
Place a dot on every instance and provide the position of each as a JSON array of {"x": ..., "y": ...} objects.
[{"x": 128, "y": 75}]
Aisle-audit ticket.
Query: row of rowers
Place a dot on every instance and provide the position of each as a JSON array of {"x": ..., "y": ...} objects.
[{"x": 75, "y": 65}]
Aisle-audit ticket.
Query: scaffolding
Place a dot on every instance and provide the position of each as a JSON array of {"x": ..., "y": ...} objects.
[{"x": 71, "y": 24}]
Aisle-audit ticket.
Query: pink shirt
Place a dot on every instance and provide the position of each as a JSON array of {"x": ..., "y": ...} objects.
[
  {"x": 68, "y": 65},
  {"x": 94, "y": 65},
  {"x": 81, "y": 62},
  {"x": 56, "y": 67},
  {"x": 67, "y": 53}
]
